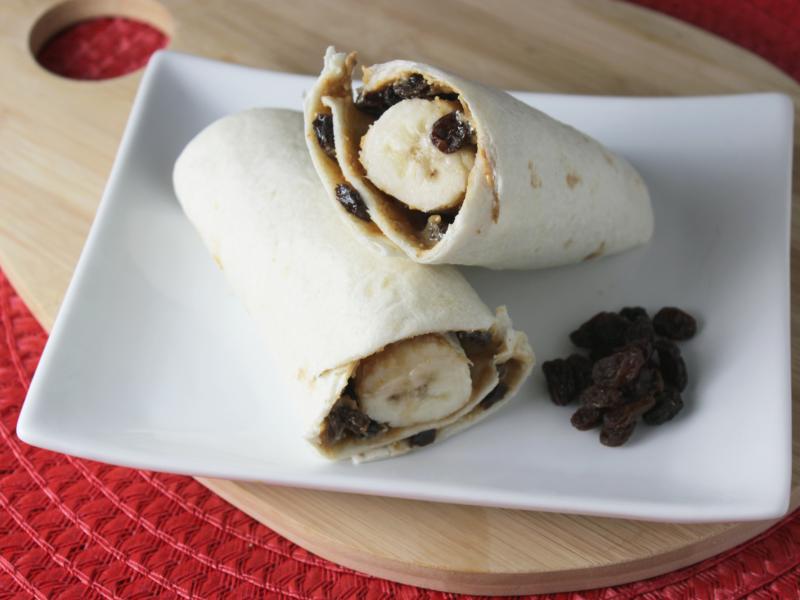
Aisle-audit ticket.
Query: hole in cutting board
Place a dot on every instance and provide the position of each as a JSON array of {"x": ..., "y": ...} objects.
[{"x": 99, "y": 39}]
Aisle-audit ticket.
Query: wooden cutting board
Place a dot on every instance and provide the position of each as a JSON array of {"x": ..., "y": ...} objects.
[{"x": 58, "y": 138}]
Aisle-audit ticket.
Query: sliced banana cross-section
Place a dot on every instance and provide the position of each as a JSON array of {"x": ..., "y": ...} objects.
[
  {"x": 418, "y": 380},
  {"x": 400, "y": 159}
]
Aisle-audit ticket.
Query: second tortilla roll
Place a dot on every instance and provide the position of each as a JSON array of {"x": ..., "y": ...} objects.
[
  {"x": 449, "y": 171},
  {"x": 382, "y": 355}
]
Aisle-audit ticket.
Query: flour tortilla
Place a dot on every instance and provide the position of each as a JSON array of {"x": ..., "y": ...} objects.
[
  {"x": 540, "y": 193},
  {"x": 319, "y": 299}
]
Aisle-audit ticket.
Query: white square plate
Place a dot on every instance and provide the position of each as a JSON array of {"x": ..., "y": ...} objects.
[{"x": 152, "y": 363}]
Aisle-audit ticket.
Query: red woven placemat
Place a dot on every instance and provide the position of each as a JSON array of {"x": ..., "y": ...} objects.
[
  {"x": 72, "y": 528},
  {"x": 101, "y": 48}
]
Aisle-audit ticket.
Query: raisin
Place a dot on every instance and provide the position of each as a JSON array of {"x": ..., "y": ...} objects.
[
  {"x": 444, "y": 95},
  {"x": 379, "y": 101},
  {"x": 616, "y": 436},
  {"x": 628, "y": 412},
  {"x": 474, "y": 342},
  {"x": 336, "y": 421},
  {"x": 618, "y": 369},
  {"x": 596, "y": 396},
  {"x": 357, "y": 423},
  {"x": 494, "y": 396},
  {"x": 349, "y": 395},
  {"x": 334, "y": 427},
  {"x": 345, "y": 418},
  {"x": 390, "y": 97},
  {"x": 478, "y": 338},
  {"x": 451, "y": 133},
  {"x": 640, "y": 329},
  {"x": 632, "y": 313},
  {"x": 640, "y": 334},
  {"x": 374, "y": 428},
  {"x": 673, "y": 368},
  {"x": 423, "y": 438},
  {"x": 373, "y": 103},
  {"x": 351, "y": 200},
  {"x": 649, "y": 382},
  {"x": 668, "y": 404},
  {"x": 604, "y": 331},
  {"x": 586, "y": 417},
  {"x": 675, "y": 324},
  {"x": 414, "y": 86},
  {"x": 645, "y": 346},
  {"x": 565, "y": 379},
  {"x": 558, "y": 376},
  {"x": 581, "y": 371},
  {"x": 599, "y": 352},
  {"x": 323, "y": 129}
]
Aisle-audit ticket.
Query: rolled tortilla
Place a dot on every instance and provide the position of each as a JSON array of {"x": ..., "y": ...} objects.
[
  {"x": 499, "y": 184},
  {"x": 381, "y": 354}
]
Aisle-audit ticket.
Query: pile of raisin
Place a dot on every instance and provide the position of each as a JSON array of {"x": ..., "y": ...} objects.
[{"x": 633, "y": 369}]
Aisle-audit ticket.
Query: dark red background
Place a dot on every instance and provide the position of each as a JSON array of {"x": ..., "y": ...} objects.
[{"x": 72, "y": 528}]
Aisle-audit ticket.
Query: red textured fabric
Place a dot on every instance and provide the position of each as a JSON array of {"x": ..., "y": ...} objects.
[
  {"x": 770, "y": 28},
  {"x": 101, "y": 48},
  {"x": 72, "y": 528}
]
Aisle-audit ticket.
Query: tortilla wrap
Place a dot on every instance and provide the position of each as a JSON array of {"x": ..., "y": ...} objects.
[
  {"x": 527, "y": 191},
  {"x": 358, "y": 335}
]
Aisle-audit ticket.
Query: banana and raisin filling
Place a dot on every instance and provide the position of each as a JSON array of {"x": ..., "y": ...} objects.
[
  {"x": 424, "y": 379},
  {"x": 418, "y": 151}
]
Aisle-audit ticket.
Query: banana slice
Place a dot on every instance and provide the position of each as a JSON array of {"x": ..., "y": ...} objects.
[
  {"x": 400, "y": 159},
  {"x": 414, "y": 381}
]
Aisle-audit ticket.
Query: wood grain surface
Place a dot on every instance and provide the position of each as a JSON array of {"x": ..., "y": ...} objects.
[{"x": 58, "y": 138}]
